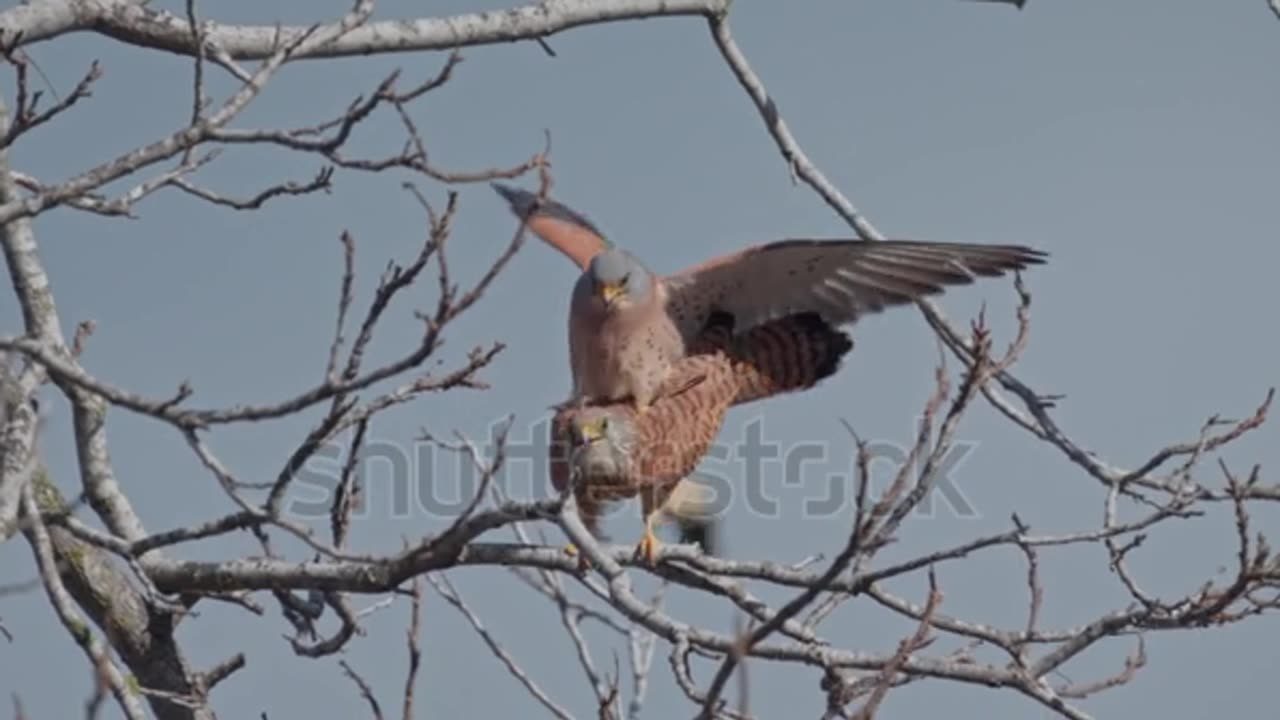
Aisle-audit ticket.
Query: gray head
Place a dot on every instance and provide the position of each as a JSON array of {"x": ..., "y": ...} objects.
[
  {"x": 616, "y": 280},
  {"x": 600, "y": 441}
]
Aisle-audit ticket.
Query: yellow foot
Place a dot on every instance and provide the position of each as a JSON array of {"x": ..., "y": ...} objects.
[{"x": 648, "y": 548}]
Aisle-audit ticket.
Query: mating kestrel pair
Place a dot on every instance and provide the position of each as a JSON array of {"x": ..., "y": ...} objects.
[
  {"x": 619, "y": 452},
  {"x": 743, "y": 322}
]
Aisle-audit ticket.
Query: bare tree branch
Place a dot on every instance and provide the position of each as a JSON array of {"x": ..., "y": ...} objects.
[
  {"x": 83, "y": 562},
  {"x": 135, "y": 24},
  {"x": 450, "y": 594},
  {"x": 71, "y": 620},
  {"x": 26, "y": 117},
  {"x": 365, "y": 691},
  {"x": 415, "y": 650}
]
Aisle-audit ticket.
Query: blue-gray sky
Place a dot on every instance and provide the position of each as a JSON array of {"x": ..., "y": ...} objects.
[{"x": 1134, "y": 141}]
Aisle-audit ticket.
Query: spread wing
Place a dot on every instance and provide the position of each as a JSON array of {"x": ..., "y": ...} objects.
[
  {"x": 557, "y": 224},
  {"x": 841, "y": 280}
]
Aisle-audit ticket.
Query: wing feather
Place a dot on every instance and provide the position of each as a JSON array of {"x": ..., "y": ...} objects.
[{"x": 842, "y": 280}]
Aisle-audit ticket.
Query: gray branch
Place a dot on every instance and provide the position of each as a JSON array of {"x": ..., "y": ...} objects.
[
  {"x": 116, "y": 576},
  {"x": 142, "y": 638},
  {"x": 133, "y": 23}
]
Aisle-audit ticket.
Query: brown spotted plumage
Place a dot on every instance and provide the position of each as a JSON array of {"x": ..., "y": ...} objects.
[{"x": 618, "y": 452}]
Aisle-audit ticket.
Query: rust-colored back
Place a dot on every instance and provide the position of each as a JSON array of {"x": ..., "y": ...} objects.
[
  {"x": 673, "y": 435},
  {"x": 784, "y": 355}
]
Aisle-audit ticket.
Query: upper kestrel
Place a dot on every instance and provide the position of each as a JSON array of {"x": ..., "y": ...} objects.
[{"x": 627, "y": 325}]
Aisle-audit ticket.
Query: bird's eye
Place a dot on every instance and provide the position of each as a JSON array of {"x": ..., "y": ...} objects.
[
  {"x": 626, "y": 279},
  {"x": 604, "y": 424}
]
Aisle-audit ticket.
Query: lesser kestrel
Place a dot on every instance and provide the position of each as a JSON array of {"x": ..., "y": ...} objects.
[
  {"x": 612, "y": 452},
  {"x": 628, "y": 325}
]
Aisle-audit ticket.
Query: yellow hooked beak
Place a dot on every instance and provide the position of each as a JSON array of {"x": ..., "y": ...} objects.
[
  {"x": 610, "y": 292},
  {"x": 593, "y": 430}
]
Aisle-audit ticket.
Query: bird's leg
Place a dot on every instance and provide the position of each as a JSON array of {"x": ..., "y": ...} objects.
[
  {"x": 644, "y": 391},
  {"x": 642, "y": 400},
  {"x": 641, "y": 406},
  {"x": 649, "y": 546}
]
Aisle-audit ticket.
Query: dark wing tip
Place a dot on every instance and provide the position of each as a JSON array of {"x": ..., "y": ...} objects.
[
  {"x": 834, "y": 344},
  {"x": 1029, "y": 255},
  {"x": 841, "y": 344},
  {"x": 522, "y": 204},
  {"x": 508, "y": 192},
  {"x": 520, "y": 201},
  {"x": 996, "y": 260},
  {"x": 1016, "y": 255}
]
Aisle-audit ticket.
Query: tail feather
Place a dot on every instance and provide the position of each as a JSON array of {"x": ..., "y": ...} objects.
[
  {"x": 690, "y": 508},
  {"x": 557, "y": 224},
  {"x": 703, "y": 532}
]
